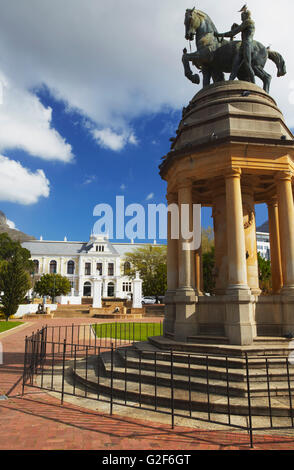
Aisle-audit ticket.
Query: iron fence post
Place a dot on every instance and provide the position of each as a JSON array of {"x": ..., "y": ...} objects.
[
  {"x": 24, "y": 365},
  {"x": 249, "y": 402},
  {"x": 172, "y": 388},
  {"x": 63, "y": 370}
]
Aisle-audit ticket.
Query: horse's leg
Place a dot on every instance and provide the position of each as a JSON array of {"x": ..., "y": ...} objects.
[
  {"x": 218, "y": 76},
  {"x": 206, "y": 77},
  {"x": 186, "y": 59},
  {"x": 264, "y": 76}
]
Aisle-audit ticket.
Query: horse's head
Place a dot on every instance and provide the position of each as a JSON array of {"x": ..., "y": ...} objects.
[{"x": 192, "y": 22}]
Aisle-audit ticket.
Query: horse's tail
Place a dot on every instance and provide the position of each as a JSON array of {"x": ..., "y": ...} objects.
[{"x": 279, "y": 61}]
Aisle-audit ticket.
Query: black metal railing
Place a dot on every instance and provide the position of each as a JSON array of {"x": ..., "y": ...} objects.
[{"x": 221, "y": 389}]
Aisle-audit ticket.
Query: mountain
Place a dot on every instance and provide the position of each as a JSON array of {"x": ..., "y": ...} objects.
[{"x": 14, "y": 234}]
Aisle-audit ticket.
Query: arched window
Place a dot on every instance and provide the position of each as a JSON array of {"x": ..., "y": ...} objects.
[
  {"x": 70, "y": 267},
  {"x": 110, "y": 289},
  {"x": 53, "y": 267},
  {"x": 87, "y": 289},
  {"x": 36, "y": 266},
  {"x": 127, "y": 268}
]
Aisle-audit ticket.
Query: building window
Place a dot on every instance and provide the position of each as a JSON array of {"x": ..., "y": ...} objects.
[
  {"x": 127, "y": 268},
  {"x": 87, "y": 289},
  {"x": 53, "y": 267},
  {"x": 99, "y": 269},
  {"x": 70, "y": 267},
  {"x": 100, "y": 248},
  {"x": 36, "y": 266},
  {"x": 110, "y": 289},
  {"x": 87, "y": 269},
  {"x": 127, "y": 287},
  {"x": 110, "y": 269}
]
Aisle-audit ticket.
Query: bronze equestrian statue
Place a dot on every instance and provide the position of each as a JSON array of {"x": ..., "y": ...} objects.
[{"x": 243, "y": 59}]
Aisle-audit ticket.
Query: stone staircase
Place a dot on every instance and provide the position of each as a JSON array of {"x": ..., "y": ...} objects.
[
  {"x": 214, "y": 384},
  {"x": 72, "y": 311}
]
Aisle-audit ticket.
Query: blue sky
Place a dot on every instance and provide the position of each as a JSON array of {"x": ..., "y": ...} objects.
[
  {"x": 97, "y": 175},
  {"x": 91, "y": 93}
]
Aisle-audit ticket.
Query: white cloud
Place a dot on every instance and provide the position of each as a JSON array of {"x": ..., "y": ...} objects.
[
  {"x": 115, "y": 60},
  {"x": 123, "y": 187},
  {"x": 89, "y": 179},
  {"x": 109, "y": 139},
  {"x": 150, "y": 196},
  {"x": 26, "y": 124},
  {"x": 20, "y": 185},
  {"x": 11, "y": 224}
]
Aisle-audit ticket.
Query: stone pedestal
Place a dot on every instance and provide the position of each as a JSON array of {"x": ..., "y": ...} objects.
[
  {"x": 97, "y": 293},
  {"x": 137, "y": 292},
  {"x": 232, "y": 150}
]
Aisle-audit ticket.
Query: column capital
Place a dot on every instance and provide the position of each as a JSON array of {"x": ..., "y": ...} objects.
[
  {"x": 172, "y": 197},
  {"x": 285, "y": 175},
  {"x": 184, "y": 183},
  {"x": 273, "y": 202},
  {"x": 233, "y": 173}
]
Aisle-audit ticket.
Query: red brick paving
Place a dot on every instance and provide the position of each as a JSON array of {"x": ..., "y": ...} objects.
[{"x": 38, "y": 421}]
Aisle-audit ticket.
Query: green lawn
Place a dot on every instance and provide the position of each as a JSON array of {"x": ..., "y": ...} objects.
[
  {"x": 129, "y": 331},
  {"x": 7, "y": 325}
]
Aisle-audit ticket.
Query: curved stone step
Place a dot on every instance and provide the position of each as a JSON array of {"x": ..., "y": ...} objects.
[{"x": 184, "y": 399}]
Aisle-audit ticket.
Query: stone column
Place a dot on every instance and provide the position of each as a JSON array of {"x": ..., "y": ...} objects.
[
  {"x": 220, "y": 241},
  {"x": 240, "y": 326},
  {"x": 276, "y": 262},
  {"x": 184, "y": 254},
  {"x": 198, "y": 272},
  {"x": 172, "y": 262},
  {"x": 185, "y": 298},
  {"x": 250, "y": 240},
  {"x": 172, "y": 243},
  {"x": 286, "y": 224},
  {"x": 137, "y": 292},
  {"x": 97, "y": 288},
  {"x": 237, "y": 269}
]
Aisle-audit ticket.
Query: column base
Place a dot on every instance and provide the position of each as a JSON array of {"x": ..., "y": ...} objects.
[
  {"x": 240, "y": 326},
  {"x": 186, "y": 316}
]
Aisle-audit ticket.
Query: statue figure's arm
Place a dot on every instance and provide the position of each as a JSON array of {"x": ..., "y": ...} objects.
[{"x": 234, "y": 31}]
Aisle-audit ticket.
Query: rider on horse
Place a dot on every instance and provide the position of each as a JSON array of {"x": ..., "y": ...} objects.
[{"x": 244, "y": 54}]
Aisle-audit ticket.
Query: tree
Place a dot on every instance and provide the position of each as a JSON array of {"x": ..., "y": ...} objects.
[
  {"x": 264, "y": 274},
  {"x": 52, "y": 285},
  {"x": 14, "y": 283},
  {"x": 150, "y": 262},
  {"x": 8, "y": 249},
  {"x": 207, "y": 239}
]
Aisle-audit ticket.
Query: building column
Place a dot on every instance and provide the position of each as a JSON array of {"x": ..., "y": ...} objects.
[
  {"x": 185, "y": 324},
  {"x": 240, "y": 325},
  {"x": 172, "y": 262},
  {"x": 185, "y": 267},
  {"x": 275, "y": 249},
  {"x": 172, "y": 243},
  {"x": 250, "y": 240},
  {"x": 237, "y": 269},
  {"x": 198, "y": 272},
  {"x": 220, "y": 241},
  {"x": 286, "y": 218}
]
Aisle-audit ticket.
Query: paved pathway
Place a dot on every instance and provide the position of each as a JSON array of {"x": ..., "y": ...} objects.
[{"x": 37, "y": 421}]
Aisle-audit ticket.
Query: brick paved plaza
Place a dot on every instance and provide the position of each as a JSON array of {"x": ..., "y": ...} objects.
[{"x": 37, "y": 421}]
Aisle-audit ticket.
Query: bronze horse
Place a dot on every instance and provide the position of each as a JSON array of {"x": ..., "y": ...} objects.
[{"x": 215, "y": 57}]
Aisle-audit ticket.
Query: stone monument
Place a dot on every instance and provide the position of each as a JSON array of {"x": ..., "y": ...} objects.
[{"x": 232, "y": 150}]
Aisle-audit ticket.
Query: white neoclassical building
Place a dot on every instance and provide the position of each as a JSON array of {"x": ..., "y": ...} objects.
[{"x": 82, "y": 262}]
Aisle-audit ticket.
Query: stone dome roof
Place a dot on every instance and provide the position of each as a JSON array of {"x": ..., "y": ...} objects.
[{"x": 229, "y": 111}]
